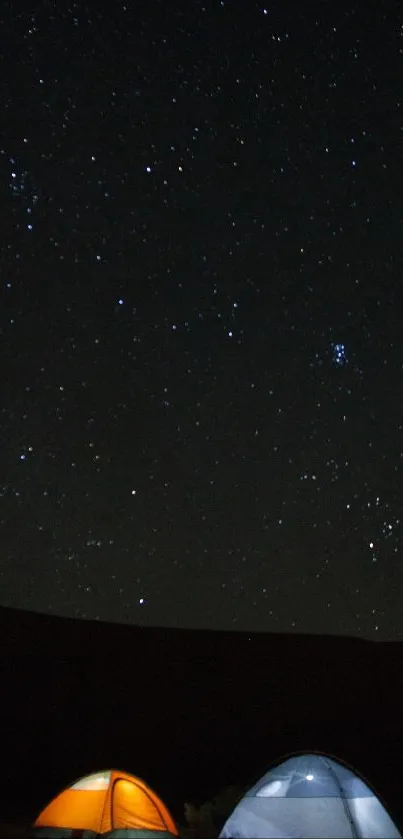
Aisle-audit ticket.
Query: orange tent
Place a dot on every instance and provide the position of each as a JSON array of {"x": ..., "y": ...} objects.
[{"x": 109, "y": 804}]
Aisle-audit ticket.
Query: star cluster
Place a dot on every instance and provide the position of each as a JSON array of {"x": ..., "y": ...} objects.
[{"x": 200, "y": 321}]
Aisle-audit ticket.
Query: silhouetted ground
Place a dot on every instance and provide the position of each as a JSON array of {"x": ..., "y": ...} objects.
[{"x": 189, "y": 711}]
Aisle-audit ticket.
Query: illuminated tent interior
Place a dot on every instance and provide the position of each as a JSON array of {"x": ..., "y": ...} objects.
[
  {"x": 310, "y": 795},
  {"x": 109, "y": 804}
]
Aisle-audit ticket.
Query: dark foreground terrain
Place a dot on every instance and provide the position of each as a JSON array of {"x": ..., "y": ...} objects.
[{"x": 191, "y": 712}]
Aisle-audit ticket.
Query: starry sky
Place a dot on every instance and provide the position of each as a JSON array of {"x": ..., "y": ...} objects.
[{"x": 201, "y": 313}]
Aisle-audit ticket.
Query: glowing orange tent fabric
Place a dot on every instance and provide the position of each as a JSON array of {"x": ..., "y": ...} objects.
[{"x": 105, "y": 802}]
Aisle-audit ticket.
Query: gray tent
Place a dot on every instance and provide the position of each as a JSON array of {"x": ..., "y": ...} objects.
[{"x": 310, "y": 796}]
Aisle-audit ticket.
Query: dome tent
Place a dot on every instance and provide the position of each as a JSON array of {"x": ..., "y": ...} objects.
[
  {"x": 110, "y": 804},
  {"x": 310, "y": 795}
]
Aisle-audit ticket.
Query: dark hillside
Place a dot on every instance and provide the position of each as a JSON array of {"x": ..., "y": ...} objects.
[{"x": 189, "y": 711}]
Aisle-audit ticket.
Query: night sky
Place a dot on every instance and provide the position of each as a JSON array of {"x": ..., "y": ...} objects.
[{"x": 202, "y": 313}]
